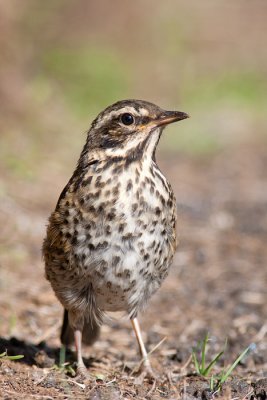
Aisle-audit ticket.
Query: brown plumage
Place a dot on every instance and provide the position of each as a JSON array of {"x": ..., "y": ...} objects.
[{"x": 112, "y": 237}]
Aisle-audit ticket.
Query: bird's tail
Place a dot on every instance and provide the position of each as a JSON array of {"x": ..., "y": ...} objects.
[{"x": 89, "y": 335}]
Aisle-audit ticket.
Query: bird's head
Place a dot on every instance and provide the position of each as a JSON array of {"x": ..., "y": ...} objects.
[{"x": 129, "y": 125}]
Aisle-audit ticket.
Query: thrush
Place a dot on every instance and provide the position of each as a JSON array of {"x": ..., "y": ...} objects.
[{"x": 112, "y": 237}]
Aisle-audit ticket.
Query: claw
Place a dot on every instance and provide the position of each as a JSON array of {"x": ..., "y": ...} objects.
[
  {"x": 82, "y": 373},
  {"x": 146, "y": 372}
]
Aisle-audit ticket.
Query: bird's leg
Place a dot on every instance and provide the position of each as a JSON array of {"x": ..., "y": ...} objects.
[
  {"x": 81, "y": 368},
  {"x": 137, "y": 331},
  {"x": 76, "y": 322},
  {"x": 147, "y": 370}
]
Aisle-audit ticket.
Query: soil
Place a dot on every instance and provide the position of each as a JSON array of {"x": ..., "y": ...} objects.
[{"x": 217, "y": 284}]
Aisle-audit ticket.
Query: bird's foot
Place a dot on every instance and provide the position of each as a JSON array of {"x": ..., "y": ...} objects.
[
  {"x": 145, "y": 372},
  {"x": 82, "y": 374}
]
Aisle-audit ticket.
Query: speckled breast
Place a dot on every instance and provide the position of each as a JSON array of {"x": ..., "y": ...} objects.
[{"x": 126, "y": 236}]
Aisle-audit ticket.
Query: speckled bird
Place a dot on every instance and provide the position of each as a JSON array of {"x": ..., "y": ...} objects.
[{"x": 111, "y": 239}]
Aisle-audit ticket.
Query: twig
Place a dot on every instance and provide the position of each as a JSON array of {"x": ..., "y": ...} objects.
[
  {"x": 152, "y": 389},
  {"x": 81, "y": 385},
  {"x": 248, "y": 394},
  {"x": 40, "y": 380},
  {"x": 260, "y": 335},
  {"x": 183, "y": 367}
]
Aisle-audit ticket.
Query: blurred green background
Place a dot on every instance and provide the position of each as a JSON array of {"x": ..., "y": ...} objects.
[{"x": 63, "y": 61}]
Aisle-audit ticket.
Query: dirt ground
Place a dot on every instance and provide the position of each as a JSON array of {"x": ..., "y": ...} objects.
[{"x": 217, "y": 284}]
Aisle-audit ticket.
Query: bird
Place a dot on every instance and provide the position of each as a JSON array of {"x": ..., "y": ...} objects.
[{"x": 111, "y": 239}]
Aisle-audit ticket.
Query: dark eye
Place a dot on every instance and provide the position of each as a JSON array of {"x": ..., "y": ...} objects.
[{"x": 127, "y": 119}]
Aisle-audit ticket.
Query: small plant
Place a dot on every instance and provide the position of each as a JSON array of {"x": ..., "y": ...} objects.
[
  {"x": 63, "y": 365},
  {"x": 203, "y": 369},
  {"x": 216, "y": 381},
  {"x": 200, "y": 365},
  {"x": 4, "y": 356}
]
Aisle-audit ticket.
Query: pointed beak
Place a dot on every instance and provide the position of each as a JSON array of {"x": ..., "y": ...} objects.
[{"x": 168, "y": 117}]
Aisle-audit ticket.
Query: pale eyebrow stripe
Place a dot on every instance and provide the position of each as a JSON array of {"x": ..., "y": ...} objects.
[
  {"x": 113, "y": 113},
  {"x": 127, "y": 109},
  {"x": 143, "y": 111}
]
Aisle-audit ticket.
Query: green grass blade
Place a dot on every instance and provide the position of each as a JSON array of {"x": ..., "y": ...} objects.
[
  {"x": 209, "y": 367},
  {"x": 203, "y": 352},
  {"x": 6, "y": 357},
  {"x": 195, "y": 361},
  {"x": 212, "y": 382},
  {"x": 18, "y": 357},
  {"x": 62, "y": 356},
  {"x": 232, "y": 367}
]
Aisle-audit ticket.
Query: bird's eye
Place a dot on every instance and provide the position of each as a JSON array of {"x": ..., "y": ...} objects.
[{"x": 127, "y": 119}]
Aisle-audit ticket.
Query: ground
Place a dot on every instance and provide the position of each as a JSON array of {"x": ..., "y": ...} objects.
[{"x": 217, "y": 284}]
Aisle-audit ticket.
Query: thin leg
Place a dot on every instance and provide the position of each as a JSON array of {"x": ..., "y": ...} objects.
[
  {"x": 78, "y": 344},
  {"x": 145, "y": 360}
]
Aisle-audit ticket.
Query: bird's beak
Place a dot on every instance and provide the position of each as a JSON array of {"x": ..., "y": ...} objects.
[{"x": 167, "y": 117}]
